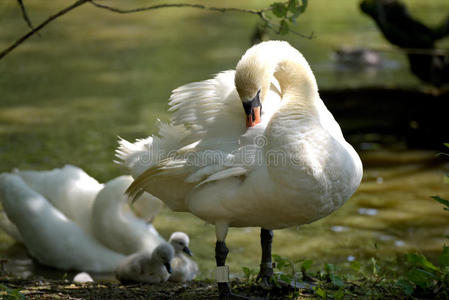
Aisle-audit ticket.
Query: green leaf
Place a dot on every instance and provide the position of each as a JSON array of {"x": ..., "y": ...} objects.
[
  {"x": 442, "y": 201},
  {"x": 284, "y": 29},
  {"x": 246, "y": 271},
  {"x": 285, "y": 277},
  {"x": 446, "y": 144},
  {"x": 11, "y": 294},
  {"x": 340, "y": 294},
  {"x": 279, "y": 9},
  {"x": 355, "y": 265},
  {"x": 421, "y": 261},
  {"x": 280, "y": 261},
  {"x": 406, "y": 286},
  {"x": 421, "y": 278},
  {"x": 292, "y": 5},
  {"x": 307, "y": 264},
  {"x": 275, "y": 280},
  {"x": 320, "y": 292},
  {"x": 376, "y": 268},
  {"x": 336, "y": 280},
  {"x": 330, "y": 268},
  {"x": 444, "y": 258},
  {"x": 304, "y": 5}
]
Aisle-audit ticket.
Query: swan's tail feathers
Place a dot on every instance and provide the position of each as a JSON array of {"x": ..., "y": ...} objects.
[
  {"x": 136, "y": 189},
  {"x": 167, "y": 168},
  {"x": 134, "y": 156}
]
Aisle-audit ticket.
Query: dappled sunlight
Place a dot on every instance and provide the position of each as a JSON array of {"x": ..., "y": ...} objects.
[
  {"x": 94, "y": 75},
  {"x": 31, "y": 115}
]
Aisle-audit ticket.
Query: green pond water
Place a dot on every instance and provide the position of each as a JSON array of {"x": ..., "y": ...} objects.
[{"x": 93, "y": 75}]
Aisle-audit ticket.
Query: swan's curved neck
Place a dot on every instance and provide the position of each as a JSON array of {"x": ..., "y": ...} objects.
[
  {"x": 260, "y": 63},
  {"x": 298, "y": 85}
]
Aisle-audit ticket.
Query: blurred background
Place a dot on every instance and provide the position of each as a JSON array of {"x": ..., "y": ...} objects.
[{"x": 93, "y": 75}]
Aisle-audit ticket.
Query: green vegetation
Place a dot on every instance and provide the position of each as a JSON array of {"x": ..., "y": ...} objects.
[
  {"x": 93, "y": 75},
  {"x": 288, "y": 12},
  {"x": 10, "y": 294}
]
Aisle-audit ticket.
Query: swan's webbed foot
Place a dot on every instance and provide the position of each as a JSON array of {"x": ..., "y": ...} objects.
[
  {"x": 264, "y": 276},
  {"x": 224, "y": 293}
]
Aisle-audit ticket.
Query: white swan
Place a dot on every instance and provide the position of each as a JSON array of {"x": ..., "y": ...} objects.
[
  {"x": 91, "y": 213},
  {"x": 110, "y": 220},
  {"x": 116, "y": 226},
  {"x": 183, "y": 268},
  {"x": 147, "y": 267},
  {"x": 99, "y": 209},
  {"x": 50, "y": 237},
  {"x": 69, "y": 189},
  {"x": 73, "y": 192},
  {"x": 290, "y": 169}
]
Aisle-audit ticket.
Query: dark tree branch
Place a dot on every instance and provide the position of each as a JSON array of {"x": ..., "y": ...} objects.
[
  {"x": 417, "y": 40},
  {"x": 259, "y": 12},
  {"x": 25, "y": 15},
  {"x": 42, "y": 25},
  {"x": 140, "y": 9}
]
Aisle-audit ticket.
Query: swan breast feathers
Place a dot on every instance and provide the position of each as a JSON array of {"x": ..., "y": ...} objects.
[{"x": 291, "y": 164}]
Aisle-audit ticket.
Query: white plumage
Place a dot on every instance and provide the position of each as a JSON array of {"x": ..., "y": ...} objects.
[
  {"x": 183, "y": 268},
  {"x": 280, "y": 160},
  {"x": 50, "y": 237},
  {"x": 116, "y": 226},
  {"x": 147, "y": 267},
  {"x": 103, "y": 229},
  {"x": 97, "y": 213},
  {"x": 292, "y": 168}
]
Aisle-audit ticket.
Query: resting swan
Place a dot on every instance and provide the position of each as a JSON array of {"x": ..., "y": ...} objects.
[
  {"x": 248, "y": 166},
  {"x": 183, "y": 268},
  {"x": 92, "y": 217},
  {"x": 50, "y": 237},
  {"x": 146, "y": 266}
]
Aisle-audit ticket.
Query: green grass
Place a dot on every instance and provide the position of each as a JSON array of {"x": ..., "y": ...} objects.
[{"x": 93, "y": 75}]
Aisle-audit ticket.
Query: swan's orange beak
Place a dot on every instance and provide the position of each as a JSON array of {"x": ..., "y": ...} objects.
[
  {"x": 254, "y": 117},
  {"x": 253, "y": 110}
]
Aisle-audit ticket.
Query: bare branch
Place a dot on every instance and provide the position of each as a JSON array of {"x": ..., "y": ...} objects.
[
  {"x": 140, "y": 9},
  {"x": 258, "y": 12},
  {"x": 25, "y": 15},
  {"x": 42, "y": 25}
]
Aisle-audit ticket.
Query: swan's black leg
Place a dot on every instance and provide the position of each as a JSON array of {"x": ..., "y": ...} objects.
[
  {"x": 266, "y": 265},
  {"x": 221, "y": 252},
  {"x": 224, "y": 291}
]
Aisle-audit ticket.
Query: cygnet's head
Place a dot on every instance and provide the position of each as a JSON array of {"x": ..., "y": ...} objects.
[
  {"x": 253, "y": 77},
  {"x": 180, "y": 241},
  {"x": 164, "y": 253}
]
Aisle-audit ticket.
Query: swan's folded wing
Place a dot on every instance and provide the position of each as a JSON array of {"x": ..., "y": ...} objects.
[
  {"x": 197, "y": 167},
  {"x": 226, "y": 173}
]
